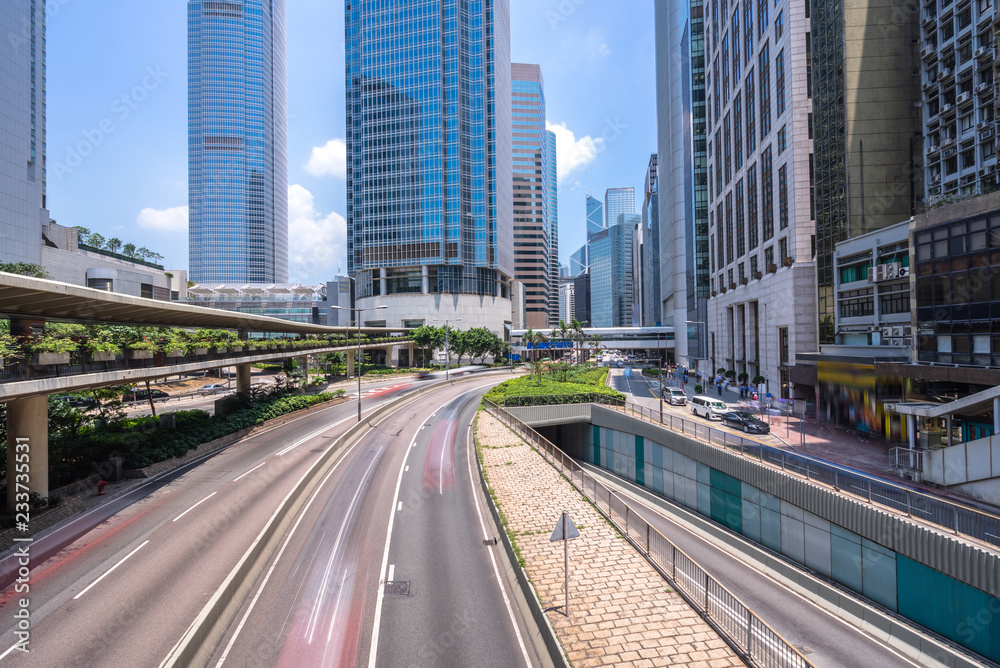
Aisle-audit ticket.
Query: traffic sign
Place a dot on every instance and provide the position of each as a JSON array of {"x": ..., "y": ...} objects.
[{"x": 571, "y": 530}]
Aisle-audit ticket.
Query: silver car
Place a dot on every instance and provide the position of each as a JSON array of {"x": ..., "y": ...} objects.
[{"x": 674, "y": 396}]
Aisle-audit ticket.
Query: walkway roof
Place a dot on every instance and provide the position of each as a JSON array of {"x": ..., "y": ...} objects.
[
  {"x": 974, "y": 402},
  {"x": 36, "y": 298}
]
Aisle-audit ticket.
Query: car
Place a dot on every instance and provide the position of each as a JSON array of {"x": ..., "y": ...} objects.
[
  {"x": 213, "y": 388},
  {"x": 713, "y": 409},
  {"x": 746, "y": 421},
  {"x": 674, "y": 396},
  {"x": 144, "y": 395},
  {"x": 76, "y": 401}
]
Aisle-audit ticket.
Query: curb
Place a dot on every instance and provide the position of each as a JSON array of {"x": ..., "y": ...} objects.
[{"x": 548, "y": 634}]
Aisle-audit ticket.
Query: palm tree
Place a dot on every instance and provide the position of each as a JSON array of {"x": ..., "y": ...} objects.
[
  {"x": 597, "y": 338},
  {"x": 529, "y": 343},
  {"x": 577, "y": 328},
  {"x": 563, "y": 330}
]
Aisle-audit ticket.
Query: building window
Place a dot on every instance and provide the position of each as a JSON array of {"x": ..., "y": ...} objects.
[
  {"x": 764, "y": 75},
  {"x": 783, "y": 346},
  {"x": 747, "y": 30},
  {"x": 729, "y": 227},
  {"x": 761, "y": 15},
  {"x": 779, "y": 83},
  {"x": 740, "y": 236},
  {"x": 748, "y": 94},
  {"x": 145, "y": 290},
  {"x": 769, "y": 257},
  {"x": 718, "y": 163},
  {"x": 783, "y": 248},
  {"x": 767, "y": 194},
  {"x": 728, "y": 152},
  {"x": 737, "y": 55},
  {"x": 894, "y": 299},
  {"x": 725, "y": 70},
  {"x": 738, "y": 130},
  {"x": 782, "y": 139},
  {"x": 856, "y": 303},
  {"x": 753, "y": 267},
  {"x": 753, "y": 234},
  {"x": 783, "y": 197},
  {"x": 741, "y": 272},
  {"x": 779, "y": 25}
]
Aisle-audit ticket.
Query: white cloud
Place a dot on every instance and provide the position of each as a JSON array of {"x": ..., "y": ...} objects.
[
  {"x": 164, "y": 220},
  {"x": 329, "y": 160},
  {"x": 317, "y": 242},
  {"x": 596, "y": 45},
  {"x": 573, "y": 153}
]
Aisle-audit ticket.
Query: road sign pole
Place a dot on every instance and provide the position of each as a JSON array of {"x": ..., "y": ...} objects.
[{"x": 566, "y": 557}]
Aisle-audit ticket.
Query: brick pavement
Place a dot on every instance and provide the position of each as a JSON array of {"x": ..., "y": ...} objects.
[{"x": 622, "y": 612}]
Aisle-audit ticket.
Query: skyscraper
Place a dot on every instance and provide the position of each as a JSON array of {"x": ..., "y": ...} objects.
[
  {"x": 616, "y": 202},
  {"x": 649, "y": 307},
  {"x": 22, "y": 133},
  {"x": 595, "y": 216},
  {"x": 534, "y": 200},
  {"x": 552, "y": 199},
  {"x": 429, "y": 205},
  {"x": 237, "y": 142}
]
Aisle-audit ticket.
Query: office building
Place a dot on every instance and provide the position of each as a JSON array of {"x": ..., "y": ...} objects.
[
  {"x": 957, "y": 72},
  {"x": 681, "y": 177},
  {"x": 287, "y": 301},
  {"x": 595, "y": 216},
  {"x": 866, "y": 128},
  {"x": 616, "y": 202},
  {"x": 611, "y": 273},
  {"x": 579, "y": 261},
  {"x": 429, "y": 206},
  {"x": 552, "y": 214},
  {"x": 22, "y": 133},
  {"x": 649, "y": 301},
  {"x": 759, "y": 156},
  {"x": 581, "y": 297},
  {"x": 237, "y": 142},
  {"x": 535, "y": 261}
]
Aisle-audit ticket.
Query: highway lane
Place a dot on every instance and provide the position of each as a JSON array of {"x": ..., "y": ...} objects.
[
  {"x": 399, "y": 506},
  {"x": 179, "y": 537},
  {"x": 826, "y": 640}
]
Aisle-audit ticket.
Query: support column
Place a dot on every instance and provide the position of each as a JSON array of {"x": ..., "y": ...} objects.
[
  {"x": 381, "y": 282},
  {"x": 304, "y": 363},
  {"x": 27, "y": 433},
  {"x": 425, "y": 287},
  {"x": 409, "y": 348},
  {"x": 911, "y": 431},
  {"x": 349, "y": 356},
  {"x": 948, "y": 427},
  {"x": 392, "y": 356},
  {"x": 243, "y": 379},
  {"x": 996, "y": 415}
]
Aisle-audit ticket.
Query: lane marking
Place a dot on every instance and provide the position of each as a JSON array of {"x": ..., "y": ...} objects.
[
  {"x": 407, "y": 468},
  {"x": 250, "y": 471},
  {"x": 277, "y": 558},
  {"x": 493, "y": 559},
  {"x": 392, "y": 572},
  {"x": 399, "y": 507},
  {"x": 110, "y": 570},
  {"x": 194, "y": 506},
  {"x": 314, "y": 434}
]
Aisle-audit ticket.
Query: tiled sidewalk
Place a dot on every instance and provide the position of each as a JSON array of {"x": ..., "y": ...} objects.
[{"x": 622, "y": 613}]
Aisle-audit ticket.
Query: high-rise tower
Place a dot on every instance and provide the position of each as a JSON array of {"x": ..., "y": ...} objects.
[
  {"x": 429, "y": 206},
  {"x": 22, "y": 134},
  {"x": 237, "y": 142}
]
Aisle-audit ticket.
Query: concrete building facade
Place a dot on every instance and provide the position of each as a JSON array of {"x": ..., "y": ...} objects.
[
  {"x": 429, "y": 206},
  {"x": 22, "y": 132}
]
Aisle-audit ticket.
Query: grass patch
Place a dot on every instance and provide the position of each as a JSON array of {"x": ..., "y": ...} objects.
[{"x": 582, "y": 385}]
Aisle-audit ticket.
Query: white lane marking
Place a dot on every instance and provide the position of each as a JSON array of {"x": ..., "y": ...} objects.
[
  {"x": 399, "y": 507},
  {"x": 351, "y": 508},
  {"x": 392, "y": 572},
  {"x": 109, "y": 571},
  {"x": 314, "y": 434},
  {"x": 388, "y": 539},
  {"x": 194, "y": 506},
  {"x": 250, "y": 471},
  {"x": 336, "y": 609},
  {"x": 441, "y": 467},
  {"x": 277, "y": 558},
  {"x": 469, "y": 454},
  {"x": 407, "y": 468}
]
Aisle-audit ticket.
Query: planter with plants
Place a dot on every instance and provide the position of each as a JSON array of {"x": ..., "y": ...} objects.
[
  {"x": 102, "y": 350},
  {"x": 51, "y": 350},
  {"x": 201, "y": 351}
]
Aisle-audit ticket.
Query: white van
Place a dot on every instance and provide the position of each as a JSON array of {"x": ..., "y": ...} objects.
[
  {"x": 713, "y": 409},
  {"x": 675, "y": 396}
]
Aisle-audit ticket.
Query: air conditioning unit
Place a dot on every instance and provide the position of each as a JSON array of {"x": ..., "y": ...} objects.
[
  {"x": 897, "y": 331},
  {"x": 890, "y": 270},
  {"x": 877, "y": 273},
  {"x": 927, "y": 51},
  {"x": 932, "y": 149},
  {"x": 979, "y": 52},
  {"x": 947, "y": 141},
  {"x": 895, "y": 342},
  {"x": 946, "y": 108},
  {"x": 943, "y": 73},
  {"x": 930, "y": 85},
  {"x": 963, "y": 98},
  {"x": 936, "y": 191},
  {"x": 968, "y": 178},
  {"x": 986, "y": 134},
  {"x": 936, "y": 178},
  {"x": 904, "y": 272},
  {"x": 948, "y": 152},
  {"x": 871, "y": 274},
  {"x": 982, "y": 88},
  {"x": 886, "y": 332}
]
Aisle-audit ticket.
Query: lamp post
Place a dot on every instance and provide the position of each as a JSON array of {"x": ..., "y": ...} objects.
[
  {"x": 447, "y": 354},
  {"x": 359, "y": 311}
]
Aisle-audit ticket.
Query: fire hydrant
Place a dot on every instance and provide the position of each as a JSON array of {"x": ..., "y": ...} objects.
[{"x": 101, "y": 484}]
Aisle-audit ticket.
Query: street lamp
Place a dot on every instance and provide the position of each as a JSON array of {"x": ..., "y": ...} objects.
[
  {"x": 447, "y": 354},
  {"x": 359, "y": 312}
]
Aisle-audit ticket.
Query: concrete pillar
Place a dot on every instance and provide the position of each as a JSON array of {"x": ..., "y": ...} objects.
[
  {"x": 409, "y": 348},
  {"x": 911, "y": 431},
  {"x": 947, "y": 423},
  {"x": 27, "y": 433},
  {"x": 304, "y": 363},
  {"x": 243, "y": 379},
  {"x": 349, "y": 355},
  {"x": 424, "y": 280},
  {"x": 996, "y": 415},
  {"x": 381, "y": 282}
]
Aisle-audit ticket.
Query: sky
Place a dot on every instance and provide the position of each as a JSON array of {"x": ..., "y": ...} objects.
[{"x": 117, "y": 117}]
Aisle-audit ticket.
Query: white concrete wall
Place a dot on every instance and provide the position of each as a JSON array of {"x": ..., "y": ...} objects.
[
  {"x": 70, "y": 267},
  {"x": 474, "y": 310},
  {"x": 965, "y": 462}
]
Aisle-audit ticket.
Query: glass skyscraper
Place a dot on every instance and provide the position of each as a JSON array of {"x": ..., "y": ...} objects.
[
  {"x": 595, "y": 216},
  {"x": 616, "y": 202},
  {"x": 429, "y": 174},
  {"x": 237, "y": 142},
  {"x": 552, "y": 206}
]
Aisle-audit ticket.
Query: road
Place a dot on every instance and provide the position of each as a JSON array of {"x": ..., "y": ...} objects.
[
  {"x": 121, "y": 585},
  {"x": 403, "y": 508}
]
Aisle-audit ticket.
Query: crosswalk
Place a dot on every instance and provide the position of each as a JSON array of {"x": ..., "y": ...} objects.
[{"x": 378, "y": 391}]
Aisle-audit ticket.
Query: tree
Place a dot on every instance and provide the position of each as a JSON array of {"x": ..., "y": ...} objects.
[
  {"x": 128, "y": 250},
  {"x": 457, "y": 343},
  {"x": 499, "y": 349},
  {"x": 24, "y": 269},
  {"x": 478, "y": 341},
  {"x": 597, "y": 338},
  {"x": 427, "y": 338},
  {"x": 578, "y": 336},
  {"x": 114, "y": 243},
  {"x": 95, "y": 240},
  {"x": 81, "y": 233}
]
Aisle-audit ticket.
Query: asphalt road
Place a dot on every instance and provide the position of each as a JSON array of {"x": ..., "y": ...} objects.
[
  {"x": 121, "y": 585},
  {"x": 387, "y": 565}
]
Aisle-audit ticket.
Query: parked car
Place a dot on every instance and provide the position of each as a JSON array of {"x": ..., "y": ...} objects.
[
  {"x": 707, "y": 407},
  {"x": 143, "y": 395},
  {"x": 746, "y": 421},
  {"x": 674, "y": 396},
  {"x": 76, "y": 401},
  {"x": 213, "y": 388}
]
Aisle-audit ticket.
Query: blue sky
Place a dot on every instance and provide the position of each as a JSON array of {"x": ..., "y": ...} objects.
[{"x": 117, "y": 116}]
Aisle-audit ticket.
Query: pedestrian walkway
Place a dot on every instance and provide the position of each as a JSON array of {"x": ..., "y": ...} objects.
[{"x": 621, "y": 611}]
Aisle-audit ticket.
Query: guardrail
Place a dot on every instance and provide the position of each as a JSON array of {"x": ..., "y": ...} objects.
[
  {"x": 956, "y": 518},
  {"x": 759, "y": 643}
]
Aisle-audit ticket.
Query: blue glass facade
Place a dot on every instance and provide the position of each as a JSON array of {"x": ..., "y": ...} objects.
[
  {"x": 552, "y": 211},
  {"x": 429, "y": 204},
  {"x": 237, "y": 142},
  {"x": 595, "y": 216},
  {"x": 616, "y": 202}
]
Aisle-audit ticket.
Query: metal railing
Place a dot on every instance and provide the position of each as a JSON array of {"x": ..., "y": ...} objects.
[
  {"x": 907, "y": 459},
  {"x": 956, "y": 518},
  {"x": 759, "y": 643}
]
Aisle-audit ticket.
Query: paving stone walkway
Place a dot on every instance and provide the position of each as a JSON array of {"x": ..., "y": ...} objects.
[{"x": 622, "y": 613}]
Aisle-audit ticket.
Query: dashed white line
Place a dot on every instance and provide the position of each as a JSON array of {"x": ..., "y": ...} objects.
[
  {"x": 109, "y": 571},
  {"x": 194, "y": 506},
  {"x": 399, "y": 506},
  {"x": 250, "y": 471}
]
